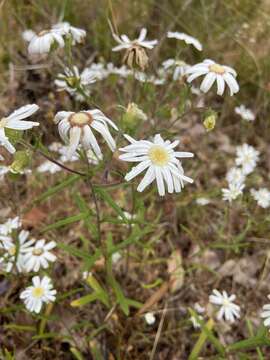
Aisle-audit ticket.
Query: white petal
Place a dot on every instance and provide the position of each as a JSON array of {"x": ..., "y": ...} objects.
[{"x": 208, "y": 81}]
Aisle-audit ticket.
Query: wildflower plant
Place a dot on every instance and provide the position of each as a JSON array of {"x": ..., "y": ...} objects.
[{"x": 118, "y": 148}]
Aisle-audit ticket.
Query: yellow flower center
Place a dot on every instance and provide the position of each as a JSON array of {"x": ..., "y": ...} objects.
[
  {"x": 216, "y": 68},
  {"x": 37, "y": 292},
  {"x": 12, "y": 251},
  {"x": 80, "y": 119},
  {"x": 37, "y": 252},
  {"x": 3, "y": 122},
  {"x": 158, "y": 155}
]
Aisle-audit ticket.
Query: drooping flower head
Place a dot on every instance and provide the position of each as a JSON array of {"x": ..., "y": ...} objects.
[
  {"x": 135, "y": 52},
  {"x": 43, "y": 42},
  {"x": 75, "y": 128},
  {"x": 221, "y": 74},
  {"x": 160, "y": 160},
  {"x": 15, "y": 121}
]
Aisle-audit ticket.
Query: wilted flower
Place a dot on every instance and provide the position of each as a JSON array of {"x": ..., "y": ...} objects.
[
  {"x": 214, "y": 72},
  {"x": 262, "y": 196},
  {"x": 15, "y": 121},
  {"x": 247, "y": 157},
  {"x": 228, "y": 309},
  {"x": 75, "y": 128},
  {"x": 134, "y": 48},
  {"x": 43, "y": 42},
  {"x": 40, "y": 292},
  {"x": 186, "y": 38},
  {"x": 160, "y": 160},
  {"x": 245, "y": 113}
]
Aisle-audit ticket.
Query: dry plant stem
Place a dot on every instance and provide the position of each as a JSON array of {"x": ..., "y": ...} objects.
[
  {"x": 130, "y": 229},
  {"x": 158, "y": 332}
]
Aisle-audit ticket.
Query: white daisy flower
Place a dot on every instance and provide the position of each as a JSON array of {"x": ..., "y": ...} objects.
[
  {"x": 186, "y": 38},
  {"x": 75, "y": 128},
  {"x": 15, "y": 252},
  {"x": 266, "y": 313},
  {"x": 262, "y": 196},
  {"x": 72, "y": 82},
  {"x": 125, "y": 43},
  {"x": 245, "y": 113},
  {"x": 160, "y": 160},
  {"x": 150, "y": 318},
  {"x": 65, "y": 28},
  {"x": 15, "y": 121},
  {"x": 39, "y": 256},
  {"x": 10, "y": 225},
  {"x": 122, "y": 71},
  {"x": 202, "y": 201},
  {"x": 247, "y": 157},
  {"x": 40, "y": 292},
  {"x": 42, "y": 42},
  {"x": 222, "y": 74},
  {"x": 235, "y": 175},
  {"x": 228, "y": 310},
  {"x": 179, "y": 68},
  {"x": 233, "y": 191},
  {"x": 28, "y": 35},
  {"x": 48, "y": 166}
]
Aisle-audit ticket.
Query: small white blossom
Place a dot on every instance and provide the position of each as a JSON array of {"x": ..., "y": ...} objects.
[
  {"x": 186, "y": 38},
  {"x": 40, "y": 292},
  {"x": 116, "y": 256},
  {"x": 262, "y": 196},
  {"x": 28, "y": 35},
  {"x": 39, "y": 256},
  {"x": 15, "y": 121},
  {"x": 160, "y": 160},
  {"x": 245, "y": 113},
  {"x": 48, "y": 166},
  {"x": 144, "y": 78},
  {"x": 179, "y": 68},
  {"x": 15, "y": 252},
  {"x": 266, "y": 314},
  {"x": 247, "y": 157},
  {"x": 222, "y": 74},
  {"x": 233, "y": 191},
  {"x": 10, "y": 225},
  {"x": 75, "y": 128},
  {"x": 42, "y": 42},
  {"x": 150, "y": 318},
  {"x": 200, "y": 310},
  {"x": 126, "y": 43},
  {"x": 228, "y": 310},
  {"x": 202, "y": 201},
  {"x": 65, "y": 28},
  {"x": 235, "y": 175},
  {"x": 73, "y": 82}
]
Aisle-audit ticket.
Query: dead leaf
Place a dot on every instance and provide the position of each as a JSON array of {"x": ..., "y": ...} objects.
[
  {"x": 176, "y": 271},
  {"x": 154, "y": 298},
  {"x": 34, "y": 217}
]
